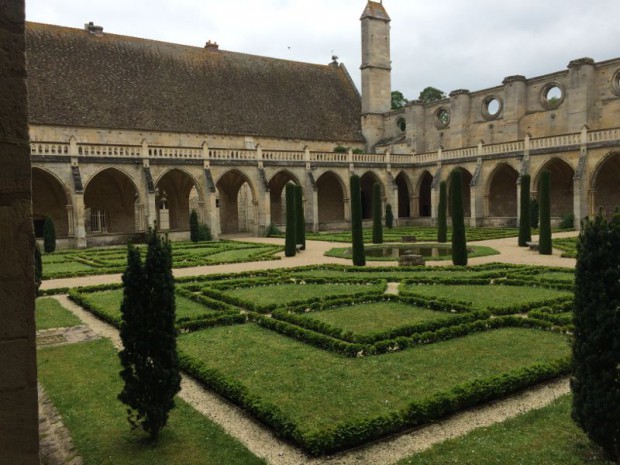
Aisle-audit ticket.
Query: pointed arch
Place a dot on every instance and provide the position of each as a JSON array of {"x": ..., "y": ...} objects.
[
  {"x": 276, "y": 184},
  {"x": 182, "y": 193},
  {"x": 466, "y": 191},
  {"x": 605, "y": 184},
  {"x": 403, "y": 183},
  {"x": 561, "y": 185},
  {"x": 237, "y": 202},
  {"x": 502, "y": 191},
  {"x": 424, "y": 188},
  {"x": 367, "y": 181},
  {"x": 331, "y": 192},
  {"x": 50, "y": 198}
]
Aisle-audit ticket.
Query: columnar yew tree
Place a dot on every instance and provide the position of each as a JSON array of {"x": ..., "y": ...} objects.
[
  {"x": 194, "y": 227},
  {"x": 49, "y": 235},
  {"x": 149, "y": 357},
  {"x": 377, "y": 227},
  {"x": 525, "y": 230},
  {"x": 459, "y": 242},
  {"x": 442, "y": 214},
  {"x": 544, "y": 200},
  {"x": 534, "y": 213},
  {"x": 596, "y": 342},
  {"x": 290, "y": 242},
  {"x": 389, "y": 217},
  {"x": 300, "y": 233},
  {"x": 359, "y": 258}
]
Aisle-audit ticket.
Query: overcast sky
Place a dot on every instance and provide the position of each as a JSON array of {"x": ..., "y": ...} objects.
[{"x": 448, "y": 44}]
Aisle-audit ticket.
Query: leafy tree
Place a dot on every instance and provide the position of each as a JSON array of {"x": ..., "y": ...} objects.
[
  {"x": 357, "y": 245},
  {"x": 442, "y": 214},
  {"x": 544, "y": 240},
  {"x": 290, "y": 242},
  {"x": 459, "y": 241},
  {"x": 431, "y": 94},
  {"x": 398, "y": 100},
  {"x": 340, "y": 149},
  {"x": 300, "y": 233},
  {"x": 194, "y": 233},
  {"x": 377, "y": 227},
  {"x": 389, "y": 217},
  {"x": 149, "y": 357},
  {"x": 38, "y": 268},
  {"x": 534, "y": 213},
  {"x": 49, "y": 235},
  {"x": 595, "y": 381},
  {"x": 525, "y": 230}
]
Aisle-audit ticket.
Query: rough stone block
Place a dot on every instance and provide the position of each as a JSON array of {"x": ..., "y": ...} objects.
[
  {"x": 19, "y": 427},
  {"x": 16, "y": 372}
]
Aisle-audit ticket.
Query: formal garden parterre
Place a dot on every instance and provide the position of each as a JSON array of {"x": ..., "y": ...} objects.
[{"x": 328, "y": 360}]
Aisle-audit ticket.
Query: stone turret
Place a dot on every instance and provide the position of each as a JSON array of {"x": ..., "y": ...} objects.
[{"x": 376, "y": 70}]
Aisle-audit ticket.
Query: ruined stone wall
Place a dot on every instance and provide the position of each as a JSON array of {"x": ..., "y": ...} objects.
[{"x": 19, "y": 441}]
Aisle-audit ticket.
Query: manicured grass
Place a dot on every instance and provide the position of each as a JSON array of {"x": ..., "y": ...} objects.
[
  {"x": 567, "y": 245},
  {"x": 345, "y": 252},
  {"x": 82, "y": 380},
  {"x": 486, "y": 296},
  {"x": 284, "y": 293},
  {"x": 377, "y": 316},
  {"x": 318, "y": 389},
  {"x": 85, "y": 262},
  {"x": 109, "y": 302},
  {"x": 50, "y": 314},
  {"x": 546, "y": 436}
]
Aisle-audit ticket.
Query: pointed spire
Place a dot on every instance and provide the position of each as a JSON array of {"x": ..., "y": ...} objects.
[{"x": 375, "y": 10}]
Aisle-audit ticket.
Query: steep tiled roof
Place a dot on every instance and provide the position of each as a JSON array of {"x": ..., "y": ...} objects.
[
  {"x": 79, "y": 79},
  {"x": 375, "y": 10}
]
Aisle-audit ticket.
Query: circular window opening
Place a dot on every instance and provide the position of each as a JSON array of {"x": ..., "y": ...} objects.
[
  {"x": 402, "y": 124},
  {"x": 552, "y": 95},
  {"x": 491, "y": 107},
  {"x": 442, "y": 118},
  {"x": 615, "y": 83}
]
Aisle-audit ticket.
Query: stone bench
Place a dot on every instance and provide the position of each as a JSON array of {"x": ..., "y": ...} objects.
[
  {"x": 411, "y": 260},
  {"x": 533, "y": 246}
]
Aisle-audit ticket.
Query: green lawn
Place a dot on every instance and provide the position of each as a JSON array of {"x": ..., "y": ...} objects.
[
  {"x": 318, "y": 389},
  {"x": 109, "y": 302},
  {"x": 82, "y": 380},
  {"x": 486, "y": 296},
  {"x": 285, "y": 293},
  {"x": 373, "y": 317},
  {"x": 395, "y": 274},
  {"x": 50, "y": 314},
  {"x": 546, "y": 436}
]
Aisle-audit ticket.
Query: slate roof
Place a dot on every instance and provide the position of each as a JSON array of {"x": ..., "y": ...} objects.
[{"x": 78, "y": 79}]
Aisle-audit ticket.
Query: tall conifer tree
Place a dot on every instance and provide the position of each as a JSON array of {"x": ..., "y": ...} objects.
[
  {"x": 459, "y": 241},
  {"x": 442, "y": 214},
  {"x": 525, "y": 229},
  {"x": 300, "y": 233},
  {"x": 545, "y": 246},
  {"x": 377, "y": 226},
  {"x": 357, "y": 233},
  {"x": 290, "y": 241}
]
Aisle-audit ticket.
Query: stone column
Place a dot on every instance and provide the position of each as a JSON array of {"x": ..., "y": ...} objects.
[
  {"x": 19, "y": 422},
  {"x": 315, "y": 210},
  {"x": 79, "y": 215},
  {"x": 70, "y": 222}
]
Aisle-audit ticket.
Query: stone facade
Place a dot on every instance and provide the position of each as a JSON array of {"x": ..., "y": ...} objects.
[{"x": 19, "y": 439}]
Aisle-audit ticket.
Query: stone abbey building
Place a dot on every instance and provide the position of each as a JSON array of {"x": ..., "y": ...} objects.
[{"x": 127, "y": 133}]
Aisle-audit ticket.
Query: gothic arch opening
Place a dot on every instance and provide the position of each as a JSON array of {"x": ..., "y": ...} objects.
[
  {"x": 502, "y": 192},
  {"x": 466, "y": 178},
  {"x": 606, "y": 185},
  {"x": 177, "y": 190},
  {"x": 404, "y": 197},
  {"x": 49, "y": 198},
  {"x": 277, "y": 195},
  {"x": 424, "y": 194},
  {"x": 236, "y": 203},
  {"x": 112, "y": 203},
  {"x": 367, "y": 181},
  {"x": 561, "y": 186},
  {"x": 330, "y": 198}
]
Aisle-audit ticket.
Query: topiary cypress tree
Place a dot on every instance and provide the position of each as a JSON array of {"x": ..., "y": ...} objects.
[
  {"x": 534, "y": 213},
  {"x": 300, "y": 233},
  {"x": 49, "y": 235},
  {"x": 389, "y": 217},
  {"x": 290, "y": 243},
  {"x": 595, "y": 380},
  {"x": 459, "y": 241},
  {"x": 525, "y": 230},
  {"x": 194, "y": 226},
  {"x": 38, "y": 268},
  {"x": 442, "y": 214},
  {"x": 359, "y": 258},
  {"x": 544, "y": 200},
  {"x": 377, "y": 227},
  {"x": 149, "y": 358}
]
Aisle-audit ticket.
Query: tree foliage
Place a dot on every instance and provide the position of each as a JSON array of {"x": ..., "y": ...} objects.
[
  {"x": 534, "y": 213},
  {"x": 442, "y": 214},
  {"x": 38, "y": 268},
  {"x": 459, "y": 241},
  {"x": 525, "y": 230},
  {"x": 431, "y": 94},
  {"x": 357, "y": 245},
  {"x": 149, "y": 356},
  {"x": 389, "y": 217},
  {"x": 544, "y": 199},
  {"x": 398, "y": 100},
  {"x": 49, "y": 235},
  {"x": 300, "y": 233},
  {"x": 377, "y": 226},
  {"x": 595, "y": 382},
  {"x": 290, "y": 242},
  {"x": 193, "y": 226}
]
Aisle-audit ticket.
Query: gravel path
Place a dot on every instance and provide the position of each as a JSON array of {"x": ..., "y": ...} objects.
[{"x": 262, "y": 443}]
